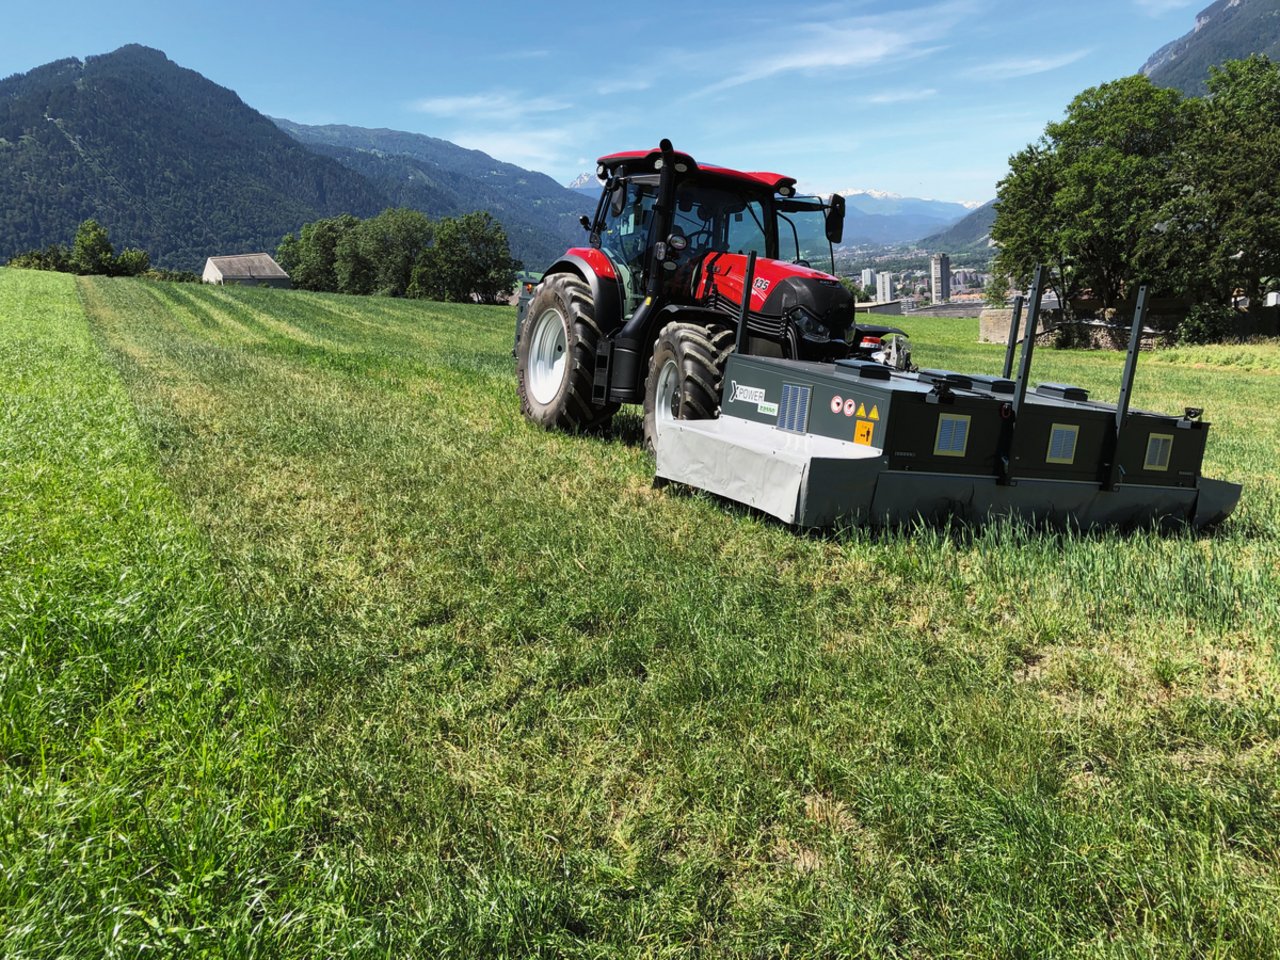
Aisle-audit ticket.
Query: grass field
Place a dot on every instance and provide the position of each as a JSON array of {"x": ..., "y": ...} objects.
[{"x": 310, "y": 647}]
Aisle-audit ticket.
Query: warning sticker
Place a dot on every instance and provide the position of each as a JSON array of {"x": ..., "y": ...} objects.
[
  {"x": 862, "y": 409},
  {"x": 874, "y": 414},
  {"x": 864, "y": 433}
]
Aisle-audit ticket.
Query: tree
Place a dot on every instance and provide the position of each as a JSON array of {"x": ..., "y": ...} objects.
[
  {"x": 1223, "y": 225},
  {"x": 314, "y": 255},
  {"x": 53, "y": 257},
  {"x": 391, "y": 243},
  {"x": 288, "y": 254},
  {"x": 470, "y": 258},
  {"x": 1028, "y": 225},
  {"x": 353, "y": 271},
  {"x": 996, "y": 293},
  {"x": 132, "y": 263},
  {"x": 1086, "y": 199},
  {"x": 92, "y": 253}
]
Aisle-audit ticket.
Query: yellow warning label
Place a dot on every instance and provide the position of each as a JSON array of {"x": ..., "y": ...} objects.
[
  {"x": 864, "y": 432},
  {"x": 875, "y": 413},
  {"x": 862, "y": 409}
]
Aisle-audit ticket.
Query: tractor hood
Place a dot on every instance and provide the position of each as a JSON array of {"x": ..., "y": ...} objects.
[{"x": 776, "y": 289}]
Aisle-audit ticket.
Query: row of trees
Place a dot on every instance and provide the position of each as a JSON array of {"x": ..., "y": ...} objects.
[
  {"x": 91, "y": 253},
  {"x": 403, "y": 253},
  {"x": 1139, "y": 184}
]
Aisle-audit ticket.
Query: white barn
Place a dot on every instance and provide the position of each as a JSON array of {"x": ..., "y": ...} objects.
[{"x": 252, "y": 269}]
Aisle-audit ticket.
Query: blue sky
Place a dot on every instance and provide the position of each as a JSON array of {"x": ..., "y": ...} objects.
[{"x": 921, "y": 99}]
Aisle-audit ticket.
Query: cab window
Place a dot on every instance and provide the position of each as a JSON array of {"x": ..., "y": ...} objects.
[{"x": 624, "y": 235}]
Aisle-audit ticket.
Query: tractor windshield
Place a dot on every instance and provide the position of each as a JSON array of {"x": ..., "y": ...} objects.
[
  {"x": 802, "y": 233},
  {"x": 715, "y": 219}
]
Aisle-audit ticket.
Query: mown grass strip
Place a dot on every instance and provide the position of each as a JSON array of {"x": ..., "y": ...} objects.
[{"x": 150, "y": 804}]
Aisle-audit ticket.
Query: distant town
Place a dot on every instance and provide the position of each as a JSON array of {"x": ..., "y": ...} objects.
[{"x": 934, "y": 288}]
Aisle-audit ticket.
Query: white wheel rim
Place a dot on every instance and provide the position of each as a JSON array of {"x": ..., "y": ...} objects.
[
  {"x": 667, "y": 396},
  {"x": 547, "y": 356}
]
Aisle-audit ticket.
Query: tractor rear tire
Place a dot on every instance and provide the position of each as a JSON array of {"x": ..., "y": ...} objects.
[
  {"x": 556, "y": 357},
  {"x": 686, "y": 374}
]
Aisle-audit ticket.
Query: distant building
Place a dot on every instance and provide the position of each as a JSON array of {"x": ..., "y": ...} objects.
[
  {"x": 884, "y": 287},
  {"x": 940, "y": 278},
  {"x": 868, "y": 279},
  {"x": 250, "y": 269}
]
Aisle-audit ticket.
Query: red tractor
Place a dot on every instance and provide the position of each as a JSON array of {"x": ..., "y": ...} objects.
[{"x": 670, "y": 285}]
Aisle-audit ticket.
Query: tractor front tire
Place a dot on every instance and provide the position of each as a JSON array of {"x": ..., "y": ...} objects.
[
  {"x": 556, "y": 357},
  {"x": 686, "y": 374}
]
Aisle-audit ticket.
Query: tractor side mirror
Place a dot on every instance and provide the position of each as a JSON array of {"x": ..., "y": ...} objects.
[
  {"x": 835, "y": 218},
  {"x": 618, "y": 199},
  {"x": 585, "y": 221}
]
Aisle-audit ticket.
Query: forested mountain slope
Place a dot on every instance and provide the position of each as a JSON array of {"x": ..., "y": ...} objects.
[{"x": 166, "y": 159}]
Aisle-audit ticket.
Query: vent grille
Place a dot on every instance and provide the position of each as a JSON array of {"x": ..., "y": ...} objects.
[
  {"x": 1159, "y": 447},
  {"x": 953, "y": 435},
  {"x": 1062, "y": 443},
  {"x": 793, "y": 412}
]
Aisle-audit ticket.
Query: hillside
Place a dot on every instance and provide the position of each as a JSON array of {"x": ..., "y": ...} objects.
[
  {"x": 1225, "y": 30},
  {"x": 443, "y": 179},
  {"x": 167, "y": 160},
  {"x": 972, "y": 234}
]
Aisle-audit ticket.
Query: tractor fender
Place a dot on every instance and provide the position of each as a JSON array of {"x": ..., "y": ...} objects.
[{"x": 594, "y": 267}]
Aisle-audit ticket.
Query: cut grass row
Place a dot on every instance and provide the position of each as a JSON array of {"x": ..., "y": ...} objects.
[
  {"x": 525, "y": 705},
  {"x": 148, "y": 798}
]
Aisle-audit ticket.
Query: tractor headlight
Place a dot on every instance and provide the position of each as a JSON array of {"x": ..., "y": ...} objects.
[{"x": 810, "y": 327}]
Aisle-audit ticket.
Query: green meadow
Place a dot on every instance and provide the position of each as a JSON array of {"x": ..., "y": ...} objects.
[{"x": 311, "y": 647}]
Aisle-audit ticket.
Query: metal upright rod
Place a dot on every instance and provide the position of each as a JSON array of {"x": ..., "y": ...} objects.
[
  {"x": 1028, "y": 342},
  {"x": 1012, "y": 346},
  {"x": 1131, "y": 359},
  {"x": 1114, "y": 473},
  {"x": 741, "y": 341}
]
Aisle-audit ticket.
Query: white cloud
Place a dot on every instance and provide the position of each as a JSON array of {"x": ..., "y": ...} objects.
[
  {"x": 1024, "y": 66},
  {"x": 496, "y": 106},
  {"x": 818, "y": 47},
  {"x": 901, "y": 96}
]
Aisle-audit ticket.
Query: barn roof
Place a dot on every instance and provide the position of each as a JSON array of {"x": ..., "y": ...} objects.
[{"x": 253, "y": 266}]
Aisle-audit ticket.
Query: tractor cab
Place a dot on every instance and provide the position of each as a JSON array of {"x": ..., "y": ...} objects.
[{"x": 713, "y": 210}]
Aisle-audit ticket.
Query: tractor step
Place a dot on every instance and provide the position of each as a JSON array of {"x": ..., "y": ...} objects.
[{"x": 600, "y": 379}]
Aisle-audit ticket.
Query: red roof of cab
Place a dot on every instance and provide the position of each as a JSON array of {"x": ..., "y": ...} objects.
[{"x": 774, "y": 181}]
